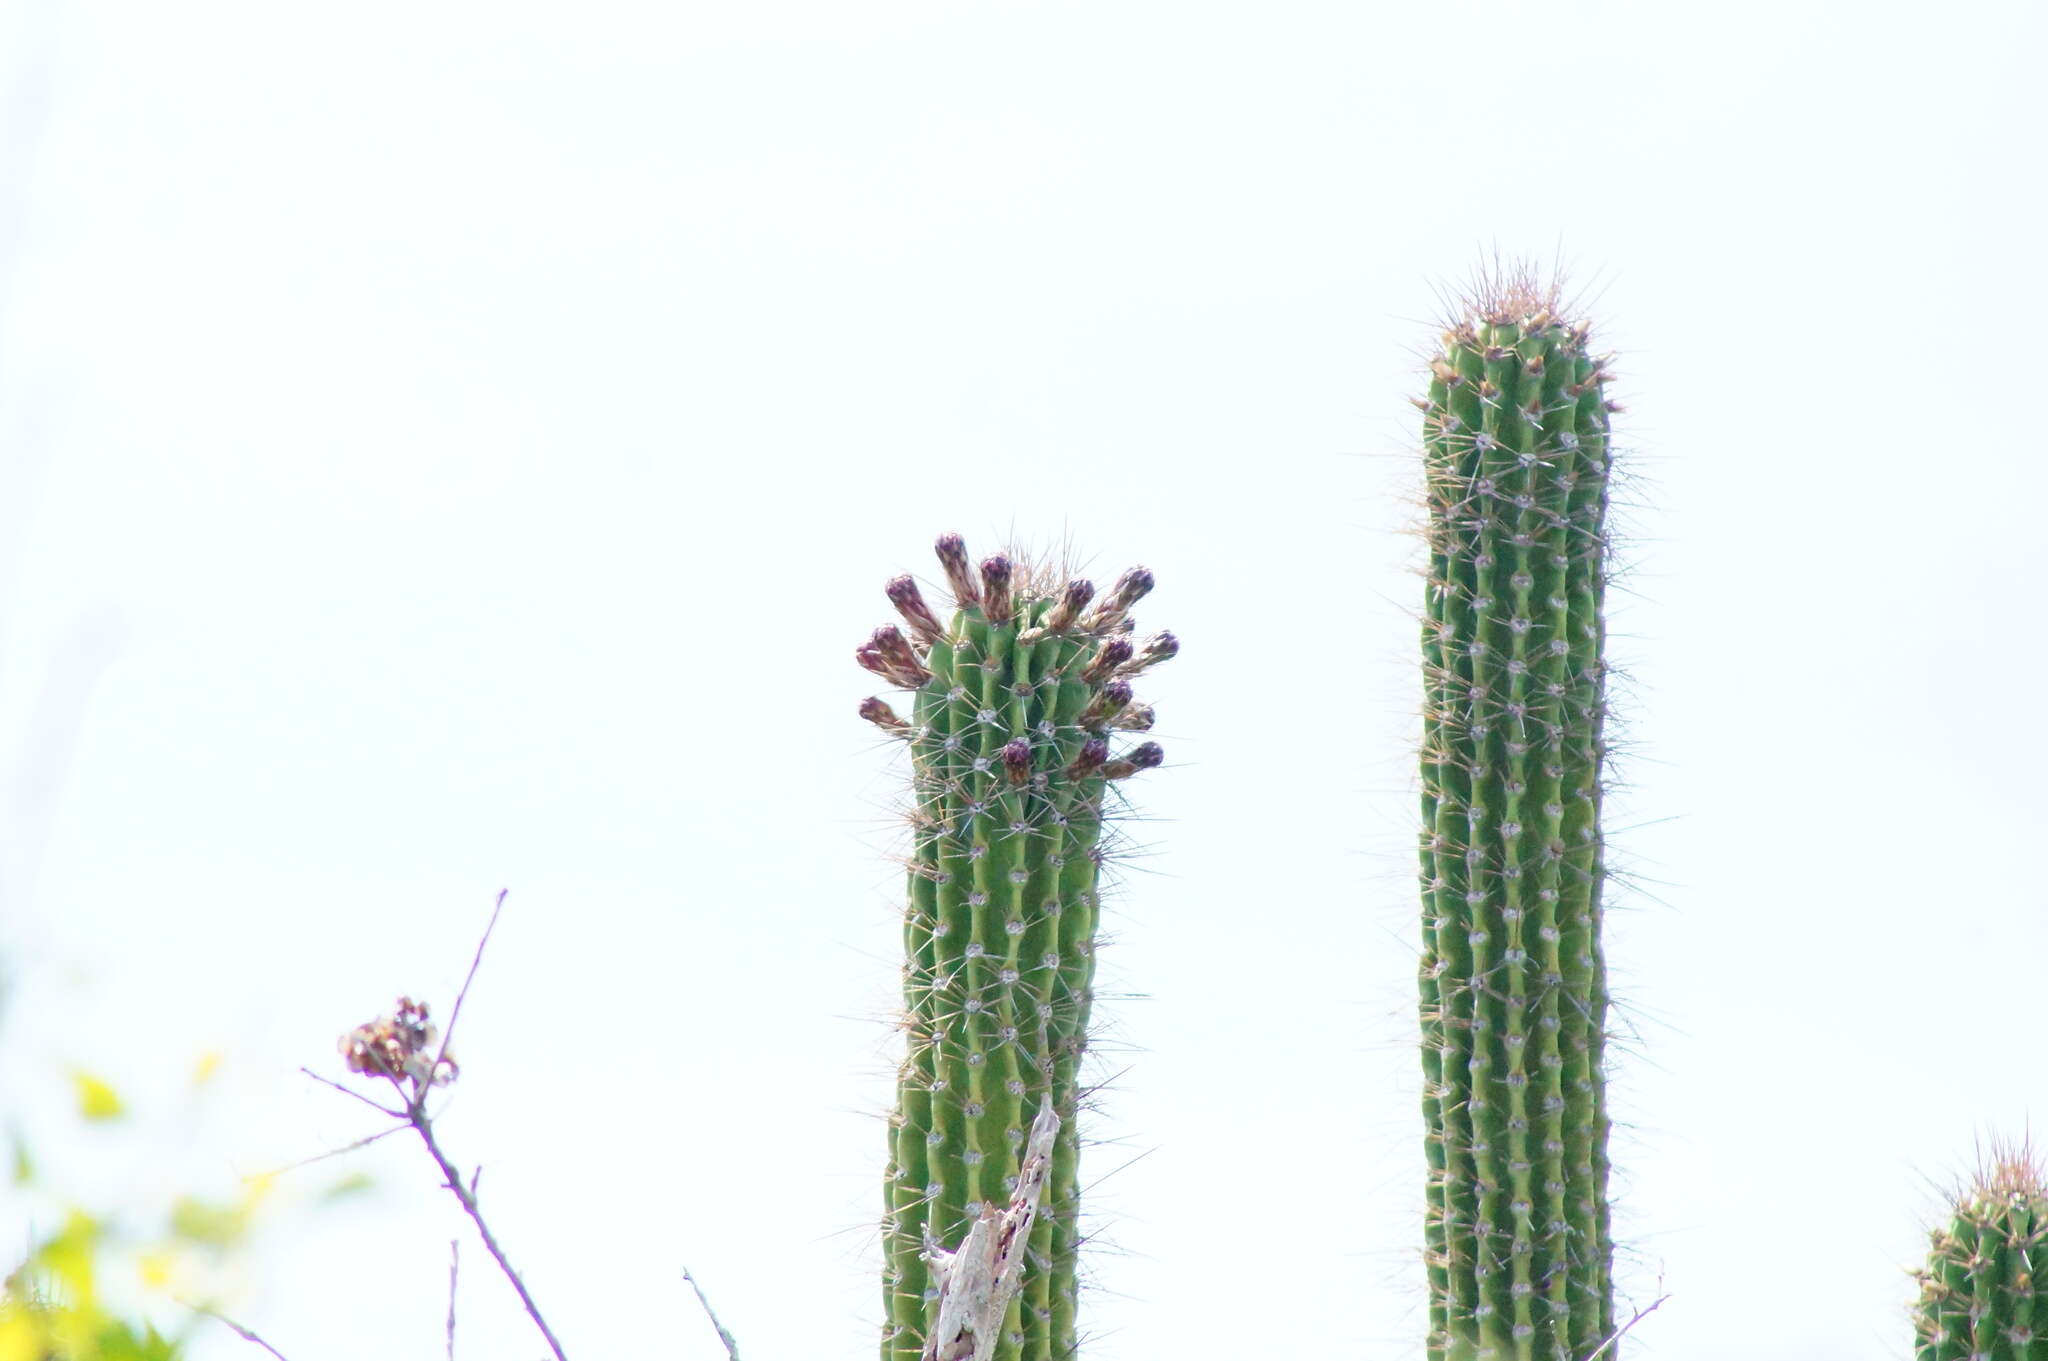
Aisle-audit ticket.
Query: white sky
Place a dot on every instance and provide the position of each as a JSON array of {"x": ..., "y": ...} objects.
[{"x": 457, "y": 447}]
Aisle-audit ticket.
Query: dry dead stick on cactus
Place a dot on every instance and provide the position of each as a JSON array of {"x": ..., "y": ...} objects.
[{"x": 977, "y": 1282}]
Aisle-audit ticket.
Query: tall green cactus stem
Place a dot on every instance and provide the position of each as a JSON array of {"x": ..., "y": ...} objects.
[
  {"x": 1978, "y": 1298},
  {"x": 1514, "y": 991},
  {"x": 1016, "y": 700}
]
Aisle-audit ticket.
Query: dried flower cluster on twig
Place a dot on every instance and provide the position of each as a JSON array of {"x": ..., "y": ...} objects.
[{"x": 400, "y": 1046}]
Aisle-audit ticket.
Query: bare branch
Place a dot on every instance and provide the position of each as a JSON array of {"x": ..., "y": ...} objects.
[
  {"x": 455, "y": 1013},
  {"x": 246, "y": 1334},
  {"x": 425, "y": 1126},
  {"x": 732, "y": 1348}
]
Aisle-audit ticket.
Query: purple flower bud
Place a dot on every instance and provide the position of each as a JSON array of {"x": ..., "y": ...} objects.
[
  {"x": 1092, "y": 754},
  {"x": 1071, "y": 602},
  {"x": 1017, "y": 760},
  {"x": 1134, "y": 718},
  {"x": 909, "y": 603},
  {"x": 1130, "y": 588},
  {"x": 1160, "y": 647},
  {"x": 1142, "y": 757},
  {"x": 900, "y": 661},
  {"x": 1107, "y": 703},
  {"x": 878, "y": 712},
  {"x": 1112, "y": 655},
  {"x": 995, "y": 588},
  {"x": 952, "y": 550}
]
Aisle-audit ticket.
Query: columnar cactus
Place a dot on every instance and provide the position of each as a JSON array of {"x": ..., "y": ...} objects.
[
  {"x": 1010, "y": 737},
  {"x": 1514, "y": 991},
  {"x": 1977, "y": 1293}
]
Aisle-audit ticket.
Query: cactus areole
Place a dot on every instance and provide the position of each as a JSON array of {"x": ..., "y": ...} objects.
[
  {"x": 1514, "y": 991},
  {"x": 1018, "y": 705}
]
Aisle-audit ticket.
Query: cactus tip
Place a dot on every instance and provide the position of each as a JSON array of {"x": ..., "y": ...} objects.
[
  {"x": 2008, "y": 1169},
  {"x": 1510, "y": 293}
]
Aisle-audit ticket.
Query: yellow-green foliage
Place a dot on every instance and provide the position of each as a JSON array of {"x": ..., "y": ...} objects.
[
  {"x": 51, "y": 1310},
  {"x": 67, "y": 1298}
]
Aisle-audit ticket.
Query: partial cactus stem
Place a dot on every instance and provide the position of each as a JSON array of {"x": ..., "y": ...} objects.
[
  {"x": 1978, "y": 1300},
  {"x": 1514, "y": 989},
  {"x": 1016, "y": 703}
]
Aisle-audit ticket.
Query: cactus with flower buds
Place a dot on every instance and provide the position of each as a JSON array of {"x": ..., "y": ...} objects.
[
  {"x": 1016, "y": 705},
  {"x": 1514, "y": 991},
  {"x": 1978, "y": 1298}
]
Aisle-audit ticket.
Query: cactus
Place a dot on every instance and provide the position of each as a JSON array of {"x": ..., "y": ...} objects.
[
  {"x": 1977, "y": 1295},
  {"x": 1513, "y": 983},
  {"x": 1015, "y": 703}
]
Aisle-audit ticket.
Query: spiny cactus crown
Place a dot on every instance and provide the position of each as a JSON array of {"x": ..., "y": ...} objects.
[{"x": 1978, "y": 1297}]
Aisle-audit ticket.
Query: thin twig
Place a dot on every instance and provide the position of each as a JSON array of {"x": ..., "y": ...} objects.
[
  {"x": 732, "y": 1348},
  {"x": 363, "y": 1142},
  {"x": 350, "y": 1091},
  {"x": 425, "y": 1126},
  {"x": 1620, "y": 1332},
  {"x": 454, "y": 1261},
  {"x": 246, "y": 1334},
  {"x": 455, "y": 1012}
]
